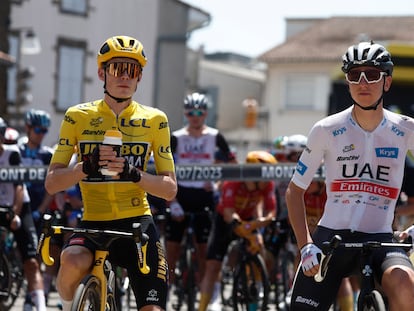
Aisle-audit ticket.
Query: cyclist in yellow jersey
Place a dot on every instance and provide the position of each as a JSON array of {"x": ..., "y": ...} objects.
[{"x": 116, "y": 201}]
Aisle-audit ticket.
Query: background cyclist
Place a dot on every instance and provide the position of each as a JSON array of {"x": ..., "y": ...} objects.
[
  {"x": 195, "y": 143},
  {"x": 116, "y": 202},
  {"x": 240, "y": 202},
  {"x": 364, "y": 149},
  {"x": 14, "y": 196},
  {"x": 34, "y": 153}
]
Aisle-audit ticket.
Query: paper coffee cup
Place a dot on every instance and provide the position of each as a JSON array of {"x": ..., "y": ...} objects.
[{"x": 112, "y": 138}]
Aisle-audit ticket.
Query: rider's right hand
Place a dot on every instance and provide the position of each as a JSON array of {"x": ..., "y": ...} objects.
[
  {"x": 310, "y": 257},
  {"x": 407, "y": 233}
]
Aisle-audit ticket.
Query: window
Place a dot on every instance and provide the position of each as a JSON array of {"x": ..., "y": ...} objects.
[
  {"x": 306, "y": 91},
  {"x": 71, "y": 71},
  {"x": 79, "y": 7}
]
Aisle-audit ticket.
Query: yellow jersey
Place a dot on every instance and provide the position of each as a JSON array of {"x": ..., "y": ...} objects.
[{"x": 145, "y": 132}]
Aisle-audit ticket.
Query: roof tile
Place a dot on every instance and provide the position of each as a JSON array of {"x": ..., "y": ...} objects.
[{"x": 327, "y": 39}]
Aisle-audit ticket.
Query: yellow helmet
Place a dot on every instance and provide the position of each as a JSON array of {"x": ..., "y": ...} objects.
[
  {"x": 259, "y": 156},
  {"x": 121, "y": 46}
]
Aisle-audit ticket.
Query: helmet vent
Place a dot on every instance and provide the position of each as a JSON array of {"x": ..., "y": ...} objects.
[
  {"x": 121, "y": 42},
  {"x": 104, "y": 48}
]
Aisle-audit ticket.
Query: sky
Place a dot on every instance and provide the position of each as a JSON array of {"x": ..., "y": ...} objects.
[{"x": 251, "y": 28}]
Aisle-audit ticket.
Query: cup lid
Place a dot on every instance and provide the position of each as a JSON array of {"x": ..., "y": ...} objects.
[{"x": 113, "y": 133}]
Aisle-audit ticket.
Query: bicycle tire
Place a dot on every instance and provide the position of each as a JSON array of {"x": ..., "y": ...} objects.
[
  {"x": 288, "y": 272},
  {"x": 11, "y": 280},
  {"x": 179, "y": 282},
  {"x": 191, "y": 282},
  {"x": 372, "y": 302},
  {"x": 250, "y": 285},
  {"x": 227, "y": 272},
  {"x": 111, "y": 304},
  {"x": 88, "y": 295}
]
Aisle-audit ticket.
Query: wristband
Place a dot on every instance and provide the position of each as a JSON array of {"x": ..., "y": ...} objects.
[
  {"x": 135, "y": 174},
  {"x": 131, "y": 173}
]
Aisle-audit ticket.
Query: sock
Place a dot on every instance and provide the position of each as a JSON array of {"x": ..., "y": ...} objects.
[
  {"x": 66, "y": 304},
  {"x": 47, "y": 282},
  {"x": 356, "y": 295},
  {"x": 204, "y": 300},
  {"x": 346, "y": 303},
  {"x": 38, "y": 299},
  {"x": 216, "y": 291}
]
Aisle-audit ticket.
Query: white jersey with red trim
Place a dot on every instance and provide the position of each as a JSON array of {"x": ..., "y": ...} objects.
[
  {"x": 363, "y": 170},
  {"x": 195, "y": 150}
]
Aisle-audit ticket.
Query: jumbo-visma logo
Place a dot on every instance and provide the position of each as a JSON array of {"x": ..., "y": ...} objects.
[
  {"x": 386, "y": 152},
  {"x": 127, "y": 149}
]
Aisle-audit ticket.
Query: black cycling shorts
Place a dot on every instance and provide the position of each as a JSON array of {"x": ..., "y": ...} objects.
[
  {"x": 311, "y": 295},
  {"x": 220, "y": 238},
  {"x": 192, "y": 200},
  {"x": 26, "y": 236},
  {"x": 149, "y": 289}
]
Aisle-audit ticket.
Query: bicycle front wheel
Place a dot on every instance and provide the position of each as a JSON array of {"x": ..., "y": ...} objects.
[
  {"x": 88, "y": 295},
  {"x": 372, "y": 302},
  {"x": 250, "y": 285}
]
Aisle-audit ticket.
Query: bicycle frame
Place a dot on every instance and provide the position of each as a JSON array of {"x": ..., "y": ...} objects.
[
  {"x": 251, "y": 261},
  {"x": 101, "y": 253},
  {"x": 188, "y": 256}
]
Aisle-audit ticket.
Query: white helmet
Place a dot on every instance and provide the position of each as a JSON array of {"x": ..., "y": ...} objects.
[
  {"x": 295, "y": 143},
  {"x": 367, "y": 54}
]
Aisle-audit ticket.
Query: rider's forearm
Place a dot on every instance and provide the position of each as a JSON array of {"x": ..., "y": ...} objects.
[
  {"x": 18, "y": 199},
  {"x": 163, "y": 185},
  {"x": 297, "y": 216},
  {"x": 59, "y": 178}
]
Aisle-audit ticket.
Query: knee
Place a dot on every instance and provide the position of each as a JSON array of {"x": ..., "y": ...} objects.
[
  {"x": 31, "y": 266},
  {"x": 398, "y": 282},
  {"x": 76, "y": 259}
]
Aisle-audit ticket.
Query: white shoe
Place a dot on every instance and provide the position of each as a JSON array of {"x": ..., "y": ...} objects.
[
  {"x": 288, "y": 297},
  {"x": 215, "y": 305}
]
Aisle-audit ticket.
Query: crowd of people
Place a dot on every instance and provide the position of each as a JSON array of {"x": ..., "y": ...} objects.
[{"x": 367, "y": 154}]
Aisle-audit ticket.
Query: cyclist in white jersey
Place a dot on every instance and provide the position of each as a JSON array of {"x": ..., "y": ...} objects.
[
  {"x": 14, "y": 196},
  {"x": 363, "y": 149},
  {"x": 196, "y": 144}
]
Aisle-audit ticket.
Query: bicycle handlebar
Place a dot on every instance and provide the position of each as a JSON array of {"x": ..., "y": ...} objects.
[
  {"x": 327, "y": 252},
  {"x": 328, "y": 247},
  {"x": 49, "y": 230}
]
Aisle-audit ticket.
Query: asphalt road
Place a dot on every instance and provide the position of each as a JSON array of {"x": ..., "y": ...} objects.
[{"x": 53, "y": 304}]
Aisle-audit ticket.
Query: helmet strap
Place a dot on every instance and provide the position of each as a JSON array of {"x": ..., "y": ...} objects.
[
  {"x": 374, "y": 106},
  {"x": 117, "y": 99}
]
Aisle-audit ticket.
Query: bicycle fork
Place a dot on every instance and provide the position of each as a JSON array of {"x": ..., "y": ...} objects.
[
  {"x": 367, "y": 280},
  {"x": 99, "y": 270}
]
